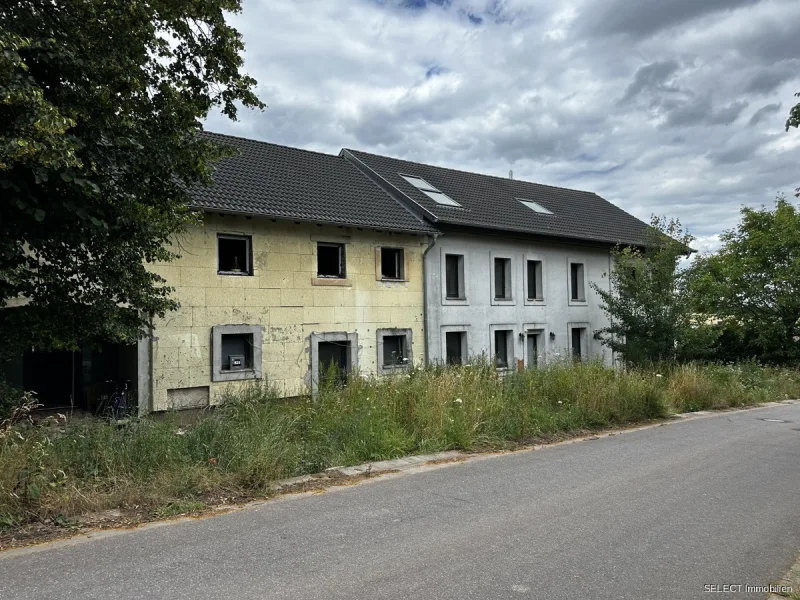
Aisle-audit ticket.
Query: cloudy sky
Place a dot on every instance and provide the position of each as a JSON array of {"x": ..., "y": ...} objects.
[{"x": 673, "y": 107}]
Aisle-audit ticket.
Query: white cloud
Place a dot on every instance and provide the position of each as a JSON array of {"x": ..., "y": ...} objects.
[{"x": 670, "y": 113}]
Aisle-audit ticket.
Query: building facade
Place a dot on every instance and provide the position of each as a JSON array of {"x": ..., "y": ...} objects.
[{"x": 511, "y": 275}]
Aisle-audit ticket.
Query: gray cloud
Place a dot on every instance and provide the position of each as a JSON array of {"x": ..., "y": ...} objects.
[
  {"x": 652, "y": 78},
  {"x": 638, "y": 19},
  {"x": 685, "y": 122},
  {"x": 764, "y": 112}
]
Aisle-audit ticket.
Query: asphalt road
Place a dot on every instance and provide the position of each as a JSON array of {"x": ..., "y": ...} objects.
[{"x": 656, "y": 513}]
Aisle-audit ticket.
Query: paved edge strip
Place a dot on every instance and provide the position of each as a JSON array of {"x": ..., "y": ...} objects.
[{"x": 371, "y": 472}]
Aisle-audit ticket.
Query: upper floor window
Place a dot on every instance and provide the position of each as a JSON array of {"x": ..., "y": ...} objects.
[
  {"x": 576, "y": 282},
  {"x": 331, "y": 260},
  {"x": 454, "y": 276},
  {"x": 392, "y": 263},
  {"x": 535, "y": 282},
  {"x": 234, "y": 255},
  {"x": 430, "y": 191},
  {"x": 502, "y": 279}
]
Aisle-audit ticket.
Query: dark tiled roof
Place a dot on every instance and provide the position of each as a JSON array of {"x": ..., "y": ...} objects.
[
  {"x": 289, "y": 183},
  {"x": 492, "y": 202}
]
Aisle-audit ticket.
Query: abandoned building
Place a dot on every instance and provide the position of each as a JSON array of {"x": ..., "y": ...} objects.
[
  {"x": 511, "y": 273},
  {"x": 308, "y": 266}
]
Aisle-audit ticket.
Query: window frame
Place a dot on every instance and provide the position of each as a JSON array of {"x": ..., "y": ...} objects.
[
  {"x": 510, "y": 300},
  {"x": 330, "y": 336},
  {"x": 256, "y": 370},
  {"x": 391, "y": 332},
  {"x": 342, "y": 261},
  {"x": 429, "y": 190},
  {"x": 247, "y": 271},
  {"x": 585, "y": 340},
  {"x": 583, "y": 283},
  {"x": 542, "y": 279},
  {"x": 511, "y": 345},
  {"x": 463, "y": 276},
  {"x": 540, "y": 330},
  {"x": 403, "y": 266},
  {"x": 465, "y": 342}
]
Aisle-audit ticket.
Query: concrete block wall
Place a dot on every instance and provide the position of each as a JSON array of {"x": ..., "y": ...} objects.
[{"x": 284, "y": 297}]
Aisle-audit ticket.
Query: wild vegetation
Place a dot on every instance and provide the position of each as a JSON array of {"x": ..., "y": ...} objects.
[{"x": 56, "y": 469}]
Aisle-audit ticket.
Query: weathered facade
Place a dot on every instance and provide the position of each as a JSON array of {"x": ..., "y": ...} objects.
[
  {"x": 282, "y": 307},
  {"x": 511, "y": 273}
]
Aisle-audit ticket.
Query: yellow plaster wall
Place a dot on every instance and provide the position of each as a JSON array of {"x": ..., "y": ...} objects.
[{"x": 280, "y": 296}]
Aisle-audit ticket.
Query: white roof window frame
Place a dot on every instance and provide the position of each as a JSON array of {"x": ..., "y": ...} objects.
[
  {"x": 430, "y": 191},
  {"x": 534, "y": 206}
]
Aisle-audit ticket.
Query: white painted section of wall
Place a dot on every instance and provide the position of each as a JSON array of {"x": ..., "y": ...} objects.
[{"x": 482, "y": 313}]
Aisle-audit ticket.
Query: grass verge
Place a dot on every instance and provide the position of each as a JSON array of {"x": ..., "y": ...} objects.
[{"x": 57, "y": 471}]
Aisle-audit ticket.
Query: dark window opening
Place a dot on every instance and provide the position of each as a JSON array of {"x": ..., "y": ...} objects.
[
  {"x": 394, "y": 351},
  {"x": 534, "y": 348},
  {"x": 577, "y": 350},
  {"x": 454, "y": 276},
  {"x": 330, "y": 260},
  {"x": 237, "y": 351},
  {"x": 535, "y": 291},
  {"x": 454, "y": 351},
  {"x": 334, "y": 363},
  {"x": 392, "y": 263},
  {"x": 576, "y": 282},
  {"x": 502, "y": 278},
  {"x": 233, "y": 255},
  {"x": 502, "y": 339}
]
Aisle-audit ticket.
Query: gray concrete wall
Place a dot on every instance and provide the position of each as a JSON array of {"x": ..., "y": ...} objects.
[{"x": 480, "y": 314}]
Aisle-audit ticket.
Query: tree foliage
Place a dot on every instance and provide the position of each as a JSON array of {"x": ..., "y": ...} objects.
[
  {"x": 647, "y": 304},
  {"x": 752, "y": 285},
  {"x": 101, "y": 102}
]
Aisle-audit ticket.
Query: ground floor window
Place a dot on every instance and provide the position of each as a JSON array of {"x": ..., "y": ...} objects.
[
  {"x": 334, "y": 356},
  {"x": 236, "y": 352},
  {"x": 394, "y": 349},
  {"x": 579, "y": 343},
  {"x": 503, "y": 348},
  {"x": 455, "y": 347}
]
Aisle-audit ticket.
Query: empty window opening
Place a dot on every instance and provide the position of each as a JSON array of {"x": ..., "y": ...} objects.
[
  {"x": 394, "y": 351},
  {"x": 577, "y": 342},
  {"x": 577, "y": 292},
  {"x": 233, "y": 255},
  {"x": 430, "y": 191},
  {"x": 535, "y": 206},
  {"x": 503, "y": 350},
  {"x": 535, "y": 287},
  {"x": 334, "y": 363},
  {"x": 237, "y": 351},
  {"x": 392, "y": 263},
  {"x": 330, "y": 260},
  {"x": 454, "y": 276},
  {"x": 456, "y": 347},
  {"x": 502, "y": 279},
  {"x": 535, "y": 347}
]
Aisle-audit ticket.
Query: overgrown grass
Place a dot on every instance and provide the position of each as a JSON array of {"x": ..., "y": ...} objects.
[{"x": 254, "y": 438}]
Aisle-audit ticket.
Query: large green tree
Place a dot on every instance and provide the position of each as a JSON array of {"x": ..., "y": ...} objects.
[
  {"x": 794, "y": 121},
  {"x": 751, "y": 286},
  {"x": 101, "y": 103},
  {"x": 650, "y": 317}
]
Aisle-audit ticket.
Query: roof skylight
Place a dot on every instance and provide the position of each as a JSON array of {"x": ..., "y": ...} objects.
[
  {"x": 535, "y": 206},
  {"x": 430, "y": 191}
]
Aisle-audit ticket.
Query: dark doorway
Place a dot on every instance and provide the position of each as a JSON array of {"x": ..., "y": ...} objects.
[
  {"x": 454, "y": 342},
  {"x": 334, "y": 362},
  {"x": 56, "y": 377},
  {"x": 577, "y": 351}
]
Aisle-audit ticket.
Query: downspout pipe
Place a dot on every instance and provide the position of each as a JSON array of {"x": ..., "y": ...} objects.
[{"x": 425, "y": 297}]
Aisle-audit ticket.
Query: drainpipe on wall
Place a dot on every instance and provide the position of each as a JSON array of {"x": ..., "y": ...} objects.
[{"x": 425, "y": 298}]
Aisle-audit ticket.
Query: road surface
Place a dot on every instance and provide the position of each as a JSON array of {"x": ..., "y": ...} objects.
[{"x": 655, "y": 513}]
